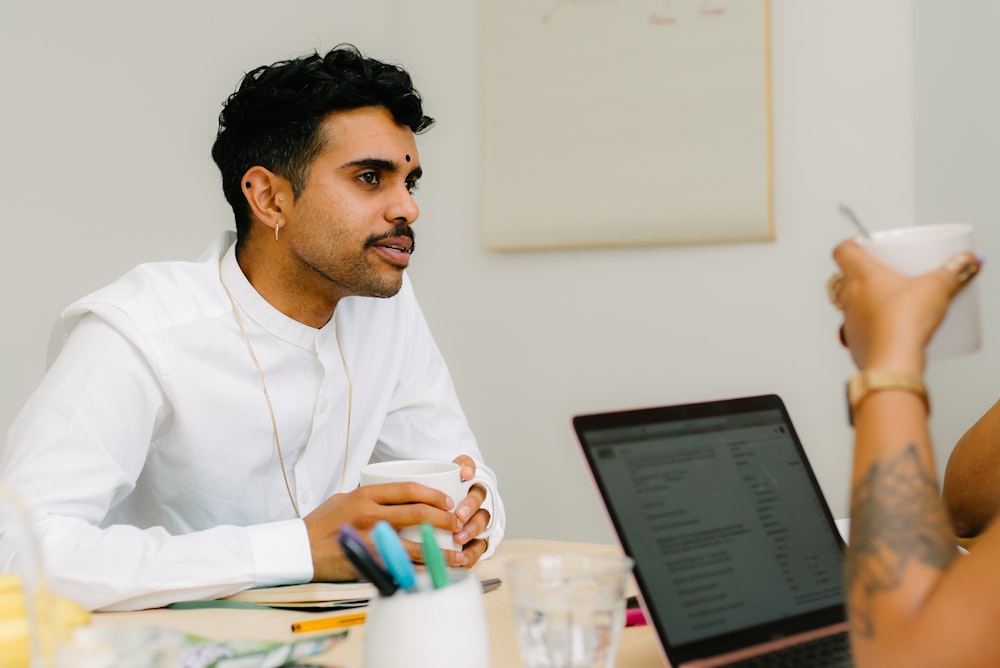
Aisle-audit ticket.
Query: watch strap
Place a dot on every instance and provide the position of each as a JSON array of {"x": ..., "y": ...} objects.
[{"x": 863, "y": 384}]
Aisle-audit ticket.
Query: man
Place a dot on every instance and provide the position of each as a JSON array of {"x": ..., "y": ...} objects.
[{"x": 202, "y": 425}]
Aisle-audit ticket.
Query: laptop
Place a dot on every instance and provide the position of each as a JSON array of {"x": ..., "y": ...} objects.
[{"x": 738, "y": 560}]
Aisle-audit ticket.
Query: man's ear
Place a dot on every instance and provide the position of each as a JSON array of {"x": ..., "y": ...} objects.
[{"x": 268, "y": 196}]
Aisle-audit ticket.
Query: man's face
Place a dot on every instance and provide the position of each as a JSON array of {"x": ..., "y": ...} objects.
[{"x": 349, "y": 230}]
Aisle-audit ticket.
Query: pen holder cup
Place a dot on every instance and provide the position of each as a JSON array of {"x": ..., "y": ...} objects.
[{"x": 429, "y": 628}]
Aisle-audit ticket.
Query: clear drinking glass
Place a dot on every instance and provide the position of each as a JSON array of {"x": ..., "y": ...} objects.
[
  {"x": 22, "y": 588},
  {"x": 569, "y": 608}
]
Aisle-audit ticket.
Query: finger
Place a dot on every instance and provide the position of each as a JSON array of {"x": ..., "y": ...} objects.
[
  {"x": 475, "y": 526},
  {"x": 833, "y": 287},
  {"x": 398, "y": 493},
  {"x": 475, "y": 549},
  {"x": 413, "y": 549},
  {"x": 960, "y": 269},
  {"x": 470, "y": 553},
  {"x": 851, "y": 258},
  {"x": 471, "y": 503},
  {"x": 468, "y": 466},
  {"x": 418, "y": 513},
  {"x": 847, "y": 253}
]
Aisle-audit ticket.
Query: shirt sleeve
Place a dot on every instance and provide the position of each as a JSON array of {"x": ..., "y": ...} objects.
[
  {"x": 78, "y": 448},
  {"x": 426, "y": 420}
]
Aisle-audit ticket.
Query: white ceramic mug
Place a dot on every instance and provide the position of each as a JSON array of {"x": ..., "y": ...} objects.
[
  {"x": 918, "y": 249},
  {"x": 429, "y": 628},
  {"x": 443, "y": 476}
]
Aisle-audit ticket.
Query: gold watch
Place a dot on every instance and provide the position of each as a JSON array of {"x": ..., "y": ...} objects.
[{"x": 875, "y": 380}]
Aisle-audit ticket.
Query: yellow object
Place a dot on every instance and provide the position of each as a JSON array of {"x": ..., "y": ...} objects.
[
  {"x": 324, "y": 623},
  {"x": 57, "y": 617}
]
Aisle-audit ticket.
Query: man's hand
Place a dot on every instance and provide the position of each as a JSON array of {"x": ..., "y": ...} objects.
[
  {"x": 399, "y": 504},
  {"x": 472, "y": 519}
]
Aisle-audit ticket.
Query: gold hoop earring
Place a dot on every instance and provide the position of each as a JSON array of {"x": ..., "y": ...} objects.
[{"x": 277, "y": 226}]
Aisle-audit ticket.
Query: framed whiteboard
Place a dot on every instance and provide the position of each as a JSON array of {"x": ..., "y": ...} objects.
[{"x": 625, "y": 122}]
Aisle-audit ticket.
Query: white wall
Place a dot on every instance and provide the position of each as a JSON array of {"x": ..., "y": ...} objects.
[
  {"x": 957, "y": 168},
  {"x": 109, "y": 113}
]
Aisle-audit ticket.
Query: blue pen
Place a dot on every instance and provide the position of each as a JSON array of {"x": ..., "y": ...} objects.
[
  {"x": 433, "y": 557},
  {"x": 357, "y": 553},
  {"x": 394, "y": 555}
]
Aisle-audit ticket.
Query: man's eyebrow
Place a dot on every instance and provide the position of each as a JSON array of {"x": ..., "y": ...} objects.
[{"x": 383, "y": 165}]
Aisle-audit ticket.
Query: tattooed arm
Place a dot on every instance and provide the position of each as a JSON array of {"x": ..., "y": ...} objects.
[
  {"x": 899, "y": 520},
  {"x": 901, "y": 541},
  {"x": 912, "y": 601}
]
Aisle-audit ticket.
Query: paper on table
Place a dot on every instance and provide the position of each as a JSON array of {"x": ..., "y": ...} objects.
[
  {"x": 142, "y": 646},
  {"x": 330, "y": 595},
  {"x": 309, "y": 595}
]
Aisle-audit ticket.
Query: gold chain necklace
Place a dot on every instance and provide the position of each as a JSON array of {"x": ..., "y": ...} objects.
[{"x": 267, "y": 397}]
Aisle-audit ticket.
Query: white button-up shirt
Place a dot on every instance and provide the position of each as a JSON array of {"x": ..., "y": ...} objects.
[{"x": 147, "y": 453}]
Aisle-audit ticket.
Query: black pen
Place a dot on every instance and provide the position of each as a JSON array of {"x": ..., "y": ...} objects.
[
  {"x": 362, "y": 560},
  {"x": 489, "y": 584}
]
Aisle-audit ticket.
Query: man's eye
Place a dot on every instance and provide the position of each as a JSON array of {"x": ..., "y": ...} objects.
[
  {"x": 370, "y": 178},
  {"x": 412, "y": 186}
]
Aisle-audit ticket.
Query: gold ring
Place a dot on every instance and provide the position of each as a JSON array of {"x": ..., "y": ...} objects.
[
  {"x": 968, "y": 270},
  {"x": 833, "y": 287}
]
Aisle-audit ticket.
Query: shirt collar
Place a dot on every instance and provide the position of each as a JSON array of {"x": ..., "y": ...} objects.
[{"x": 261, "y": 311}]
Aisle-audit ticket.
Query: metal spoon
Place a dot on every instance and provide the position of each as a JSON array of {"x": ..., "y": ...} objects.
[{"x": 846, "y": 211}]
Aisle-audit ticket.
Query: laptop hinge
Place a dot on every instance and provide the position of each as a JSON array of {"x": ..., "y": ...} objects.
[{"x": 765, "y": 648}]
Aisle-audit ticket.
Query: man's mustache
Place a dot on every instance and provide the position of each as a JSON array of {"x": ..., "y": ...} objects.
[{"x": 400, "y": 230}]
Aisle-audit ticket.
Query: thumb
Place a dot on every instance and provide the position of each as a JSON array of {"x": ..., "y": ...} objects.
[
  {"x": 960, "y": 269},
  {"x": 468, "y": 466}
]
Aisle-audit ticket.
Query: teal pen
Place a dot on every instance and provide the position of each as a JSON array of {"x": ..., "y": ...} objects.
[
  {"x": 433, "y": 557},
  {"x": 394, "y": 555}
]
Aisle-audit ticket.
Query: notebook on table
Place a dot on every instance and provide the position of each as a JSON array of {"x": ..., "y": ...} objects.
[
  {"x": 738, "y": 560},
  {"x": 328, "y": 595}
]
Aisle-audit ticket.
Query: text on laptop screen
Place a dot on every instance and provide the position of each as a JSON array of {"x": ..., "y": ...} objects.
[{"x": 691, "y": 495}]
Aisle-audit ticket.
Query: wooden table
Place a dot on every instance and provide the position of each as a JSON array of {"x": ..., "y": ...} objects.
[{"x": 637, "y": 648}]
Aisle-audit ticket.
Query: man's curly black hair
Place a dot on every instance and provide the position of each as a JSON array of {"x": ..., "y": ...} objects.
[{"x": 273, "y": 118}]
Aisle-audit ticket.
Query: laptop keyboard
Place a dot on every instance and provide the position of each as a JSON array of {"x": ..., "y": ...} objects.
[{"x": 827, "y": 652}]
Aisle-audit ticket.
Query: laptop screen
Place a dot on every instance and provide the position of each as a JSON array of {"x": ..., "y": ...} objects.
[{"x": 718, "y": 506}]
